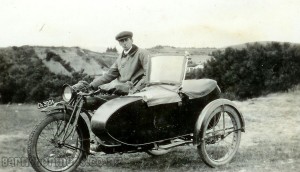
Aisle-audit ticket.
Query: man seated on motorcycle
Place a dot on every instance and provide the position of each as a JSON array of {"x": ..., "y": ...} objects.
[{"x": 127, "y": 74}]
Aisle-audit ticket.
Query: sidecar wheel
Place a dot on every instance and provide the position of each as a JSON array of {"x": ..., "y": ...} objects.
[
  {"x": 221, "y": 136},
  {"x": 44, "y": 150}
]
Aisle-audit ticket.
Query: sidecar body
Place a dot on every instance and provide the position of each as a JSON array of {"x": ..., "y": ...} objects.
[{"x": 166, "y": 109}]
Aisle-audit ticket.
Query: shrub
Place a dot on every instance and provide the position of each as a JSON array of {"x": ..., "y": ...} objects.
[
  {"x": 113, "y": 50},
  {"x": 255, "y": 70}
]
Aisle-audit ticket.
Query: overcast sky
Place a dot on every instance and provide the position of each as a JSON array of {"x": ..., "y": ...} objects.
[{"x": 184, "y": 23}]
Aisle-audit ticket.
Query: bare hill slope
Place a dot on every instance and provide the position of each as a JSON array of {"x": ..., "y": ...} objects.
[{"x": 62, "y": 60}]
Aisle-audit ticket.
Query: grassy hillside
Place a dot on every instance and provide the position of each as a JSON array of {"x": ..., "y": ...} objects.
[
  {"x": 91, "y": 63},
  {"x": 26, "y": 71},
  {"x": 32, "y": 73},
  {"x": 65, "y": 60}
]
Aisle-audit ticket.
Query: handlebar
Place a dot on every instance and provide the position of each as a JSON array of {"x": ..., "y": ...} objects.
[
  {"x": 90, "y": 93},
  {"x": 104, "y": 92}
]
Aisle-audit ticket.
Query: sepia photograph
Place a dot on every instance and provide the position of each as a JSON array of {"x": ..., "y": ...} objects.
[{"x": 149, "y": 85}]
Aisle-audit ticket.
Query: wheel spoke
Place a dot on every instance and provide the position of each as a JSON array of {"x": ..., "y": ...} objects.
[
  {"x": 58, "y": 126},
  {"x": 45, "y": 137},
  {"x": 216, "y": 131},
  {"x": 62, "y": 130},
  {"x": 69, "y": 134},
  {"x": 48, "y": 126},
  {"x": 46, "y": 153}
]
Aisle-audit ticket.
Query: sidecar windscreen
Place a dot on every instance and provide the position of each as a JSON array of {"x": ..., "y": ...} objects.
[{"x": 166, "y": 70}]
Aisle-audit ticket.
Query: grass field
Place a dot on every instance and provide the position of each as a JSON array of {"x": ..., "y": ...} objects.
[{"x": 271, "y": 141}]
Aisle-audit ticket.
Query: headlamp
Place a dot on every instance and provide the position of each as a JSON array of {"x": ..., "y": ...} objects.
[{"x": 68, "y": 93}]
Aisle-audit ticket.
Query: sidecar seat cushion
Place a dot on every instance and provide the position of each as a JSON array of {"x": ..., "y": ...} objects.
[
  {"x": 159, "y": 94},
  {"x": 198, "y": 88}
]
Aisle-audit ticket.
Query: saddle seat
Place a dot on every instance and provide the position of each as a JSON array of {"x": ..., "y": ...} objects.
[{"x": 198, "y": 88}]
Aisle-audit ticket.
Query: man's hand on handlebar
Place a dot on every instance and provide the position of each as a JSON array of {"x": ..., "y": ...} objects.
[{"x": 82, "y": 86}]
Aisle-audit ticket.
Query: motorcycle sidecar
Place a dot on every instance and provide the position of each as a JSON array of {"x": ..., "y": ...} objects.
[
  {"x": 154, "y": 115},
  {"x": 171, "y": 109}
]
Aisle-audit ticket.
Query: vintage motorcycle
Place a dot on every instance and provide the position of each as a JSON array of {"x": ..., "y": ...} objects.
[{"x": 167, "y": 113}]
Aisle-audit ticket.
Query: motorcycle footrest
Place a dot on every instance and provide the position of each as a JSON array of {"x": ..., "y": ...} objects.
[{"x": 175, "y": 144}]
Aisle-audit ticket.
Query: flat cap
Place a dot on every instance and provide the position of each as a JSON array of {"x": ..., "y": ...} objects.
[{"x": 124, "y": 34}]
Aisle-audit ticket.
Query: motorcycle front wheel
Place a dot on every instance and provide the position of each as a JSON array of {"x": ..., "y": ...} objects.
[
  {"x": 47, "y": 152},
  {"x": 221, "y": 136}
]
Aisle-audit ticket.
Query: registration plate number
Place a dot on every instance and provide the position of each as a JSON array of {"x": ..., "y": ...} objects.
[{"x": 45, "y": 104}]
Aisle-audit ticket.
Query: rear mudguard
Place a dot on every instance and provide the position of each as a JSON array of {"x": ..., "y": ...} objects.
[
  {"x": 59, "y": 107},
  {"x": 208, "y": 110}
]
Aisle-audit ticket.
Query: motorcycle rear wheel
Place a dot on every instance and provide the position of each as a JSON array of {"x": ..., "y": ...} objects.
[
  {"x": 46, "y": 154},
  {"x": 221, "y": 136}
]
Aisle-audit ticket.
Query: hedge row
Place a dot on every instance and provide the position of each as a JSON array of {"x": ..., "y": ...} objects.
[{"x": 254, "y": 70}]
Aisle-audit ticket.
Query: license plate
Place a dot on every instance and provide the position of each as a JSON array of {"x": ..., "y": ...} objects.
[{"x": 45, "y": 104}]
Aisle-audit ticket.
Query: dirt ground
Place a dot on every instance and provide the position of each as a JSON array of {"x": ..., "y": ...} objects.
[{"x": 271, "y": 141}]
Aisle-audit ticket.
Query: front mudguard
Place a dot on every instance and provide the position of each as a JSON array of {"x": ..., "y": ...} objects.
[
  {"x": 66, "y": 109},
  {"x": 199, "y": 126}
]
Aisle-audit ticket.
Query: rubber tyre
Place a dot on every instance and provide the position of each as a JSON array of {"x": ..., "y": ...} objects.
[
  {"x": 202, "y": 147},
  {"x": 33, "y": 138}
]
